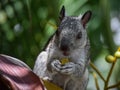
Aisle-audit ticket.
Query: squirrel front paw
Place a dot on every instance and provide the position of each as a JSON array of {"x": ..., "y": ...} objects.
[
  {"x": 66, "y": 69},
  {"x": 56, "y": 65}
]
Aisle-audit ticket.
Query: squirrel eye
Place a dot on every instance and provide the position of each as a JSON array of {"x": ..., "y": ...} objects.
[{"x": 79, "y": 35}]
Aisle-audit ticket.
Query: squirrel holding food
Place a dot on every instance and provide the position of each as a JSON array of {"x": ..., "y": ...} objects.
[{"x": 65, "y": 60}]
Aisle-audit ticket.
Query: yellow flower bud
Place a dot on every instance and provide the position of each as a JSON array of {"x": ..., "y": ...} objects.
[
  {"x": 64, "y": 61},
  {"x": 117, "y": 54},
  {"x": 119, "y": 49},
  {"x": 110, "y": 59}
]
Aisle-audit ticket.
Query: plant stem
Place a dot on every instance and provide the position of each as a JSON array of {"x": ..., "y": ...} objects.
[
  {"x": 113, "y": 86},
  {"x": 96, "y": 81},
  {"x": 109, "y": 74},
  {"x": 98, "y": 72}
]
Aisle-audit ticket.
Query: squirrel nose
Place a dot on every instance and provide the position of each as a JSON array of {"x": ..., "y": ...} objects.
[{"x": 64, "y": 44}]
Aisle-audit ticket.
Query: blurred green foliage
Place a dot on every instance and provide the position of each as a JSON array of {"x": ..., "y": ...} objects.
[{"x": 24, "y": 27}]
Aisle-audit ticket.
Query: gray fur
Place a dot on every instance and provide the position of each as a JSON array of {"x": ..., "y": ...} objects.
[{"x": 64, "y": 44}]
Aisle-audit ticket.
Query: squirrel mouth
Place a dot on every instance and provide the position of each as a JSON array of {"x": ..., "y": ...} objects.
[{"x": 65, "y": 53}]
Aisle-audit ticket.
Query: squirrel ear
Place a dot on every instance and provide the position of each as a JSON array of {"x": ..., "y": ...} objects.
[
  {"x": 86, "y": 17},
  {"x": 62, "y": 13}
]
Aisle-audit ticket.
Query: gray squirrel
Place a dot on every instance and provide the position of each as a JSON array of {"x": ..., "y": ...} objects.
[{"x": 69, "y": 41}]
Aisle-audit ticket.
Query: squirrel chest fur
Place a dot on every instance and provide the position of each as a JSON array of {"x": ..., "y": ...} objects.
[{"x": 70, "y": 41}]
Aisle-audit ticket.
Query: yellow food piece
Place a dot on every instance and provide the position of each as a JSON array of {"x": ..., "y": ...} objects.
[
  {"x": 50, "y": 86},
  {"x": 64, "y": 61}
]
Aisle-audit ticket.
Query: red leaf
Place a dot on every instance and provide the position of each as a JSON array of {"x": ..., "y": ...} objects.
[{"x": 17, "y": 75}]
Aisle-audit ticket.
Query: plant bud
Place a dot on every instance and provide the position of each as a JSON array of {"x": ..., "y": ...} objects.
[
  {"x": 117, "y": 54},
  {"x": 110, "y": 59}
]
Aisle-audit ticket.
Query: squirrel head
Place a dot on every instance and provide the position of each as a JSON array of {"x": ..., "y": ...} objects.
[{"x": 71, "y": 33}]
